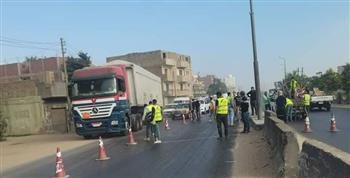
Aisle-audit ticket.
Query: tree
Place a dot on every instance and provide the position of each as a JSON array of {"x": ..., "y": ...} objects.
[
  {"x": 217, "y": 86},
  {"x": 31, "y": 58},
  {"x": 331, "y": 81},
  {"x": 345, "y": 78},
  {"x": 73, "y": 63}
]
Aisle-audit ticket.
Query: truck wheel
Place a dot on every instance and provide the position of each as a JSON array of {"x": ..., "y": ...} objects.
[
  {"x": 329, "y": 108},
  {"x": 123, "y": 133}
]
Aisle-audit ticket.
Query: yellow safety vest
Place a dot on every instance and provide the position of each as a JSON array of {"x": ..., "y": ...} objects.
[
  {"x": 158, "y": 114},
  {"x": 222, "y": 107},
  {"x": 293, "y": 84},
  {"x": 306, "y": 100},
  {"x": 289, "y": 102}
]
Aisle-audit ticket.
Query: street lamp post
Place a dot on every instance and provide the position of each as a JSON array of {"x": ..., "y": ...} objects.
[{"x": 256, "y": 64}]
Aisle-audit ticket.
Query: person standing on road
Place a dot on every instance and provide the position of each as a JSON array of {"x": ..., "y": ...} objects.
[
  {"x": 237, "y": 105},
  {"x": 306, "y": 101},
  {"x": 281, "y": 106},
  {"x": 230, "y": 109},
  {"x": 244, "y": 105},
  {"x": 289, "y": 107},
  {"x": 147, "y": 117},
  {"x": 198, "y": 109},
  {"x": 157, "y": 118},
  {"x": 267, "y": 101},
  {"x": 221, "y": 114},
  {"x": 211, "y": 109},
  {"x": 252, "y": 95}
]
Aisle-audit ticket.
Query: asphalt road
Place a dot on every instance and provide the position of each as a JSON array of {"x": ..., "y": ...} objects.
[
  {"x": 187, "y": 151},
  {"x": 320, "y": 125}
]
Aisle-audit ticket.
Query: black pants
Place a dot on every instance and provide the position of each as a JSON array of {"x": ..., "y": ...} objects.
[
  {"x": 222, "y": 119},
  {"x": 281, "y": 113},
  {"x": 267, "y": 107},
  {"x": 253, "y": 106}
]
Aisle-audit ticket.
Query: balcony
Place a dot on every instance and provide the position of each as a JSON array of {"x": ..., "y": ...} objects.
[
  {"x": 183, "y": 93},
  {"x": 183, "y": 64},
  {"x": 169, "y": 93},
  {"x": 169, "y": 62},
  {"x": 183, "y": 78},
  {"x": 168, "y": 77}
]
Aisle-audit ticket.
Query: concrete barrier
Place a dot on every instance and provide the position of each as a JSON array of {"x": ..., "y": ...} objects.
[{"x": 298, "y": 156}]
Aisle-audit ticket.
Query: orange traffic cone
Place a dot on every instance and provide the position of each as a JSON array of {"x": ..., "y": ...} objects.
[
  {"x": 307, "y": 128},
  {"x": 131, "y": 140},
  {"x": 167, "y": 124},
  {"x": 60, "y": 172},
  {"x": 333, "y": 127},
  {"x": 102, "y": 155}
]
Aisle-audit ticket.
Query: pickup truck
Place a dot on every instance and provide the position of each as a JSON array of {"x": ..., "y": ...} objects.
[{"x": 321, "y": 102}]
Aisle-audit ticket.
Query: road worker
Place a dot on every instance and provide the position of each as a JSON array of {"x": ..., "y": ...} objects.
[
  {"x": 289, "y": 107},
  {"x": 157, "y": 118},
  {"x": 306, "y": 101},
  {"x": 147, "y": 117},
  {"x": 293, "y": 86},
  {"x": 267, "y": 101},
  {"x": 281, "y": 106},
  {"x": 221, "y": 114}
]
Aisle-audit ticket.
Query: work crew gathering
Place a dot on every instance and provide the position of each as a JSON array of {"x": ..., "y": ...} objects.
[{"x": 222, "y": 110}]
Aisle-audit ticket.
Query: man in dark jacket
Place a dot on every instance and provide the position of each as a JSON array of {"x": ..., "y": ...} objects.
[
  {"x": 245, "y": 112},
  {"x": 281, "y": 106},
  {"x": 252, "y": 95}
]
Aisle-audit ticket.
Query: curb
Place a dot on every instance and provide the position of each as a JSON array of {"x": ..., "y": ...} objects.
[{"x": 257, "y": 124}]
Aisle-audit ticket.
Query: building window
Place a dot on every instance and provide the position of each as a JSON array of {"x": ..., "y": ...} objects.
[
  {"x": 181, "y": 87},
  {"x": 164, "y": 55},
  {"x": 166, "y": 71},
  {"x": 180, "y": 72}
]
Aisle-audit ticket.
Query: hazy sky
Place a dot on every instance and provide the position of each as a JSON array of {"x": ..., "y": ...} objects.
[{"x": 216, "y": 34}]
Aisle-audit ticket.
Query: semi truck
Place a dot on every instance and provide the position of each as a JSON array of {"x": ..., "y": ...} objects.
[{"x": 110, "y": 99}]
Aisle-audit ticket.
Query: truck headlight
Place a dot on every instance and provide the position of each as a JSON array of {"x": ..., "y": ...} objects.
[
  {"x": 114, "y": 123},
  {"x": 78, "y": 125}
]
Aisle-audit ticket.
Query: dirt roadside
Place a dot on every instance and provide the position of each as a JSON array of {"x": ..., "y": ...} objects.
[
  {"x": 252, "y": 155},
  {"x": 16, "y": 151}
]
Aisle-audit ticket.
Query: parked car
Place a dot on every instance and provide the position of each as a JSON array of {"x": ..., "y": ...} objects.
[
  {"x": 169, "y": 110},
  {"x": 182, "y": 110}
]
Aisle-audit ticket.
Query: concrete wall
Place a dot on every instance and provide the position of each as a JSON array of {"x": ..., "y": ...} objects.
[
  {"x": 25, "y": 115},
  {"x": 298, "y": 156}
]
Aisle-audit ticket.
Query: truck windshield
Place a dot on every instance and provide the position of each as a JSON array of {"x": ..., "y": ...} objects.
[{"x": 84, "y": 88}]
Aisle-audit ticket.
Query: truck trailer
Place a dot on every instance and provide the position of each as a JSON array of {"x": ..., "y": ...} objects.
[{"x": 109, "y": 99}]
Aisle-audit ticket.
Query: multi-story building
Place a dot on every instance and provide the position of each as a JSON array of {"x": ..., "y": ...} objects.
[
  {"x": 175, "y": 70},
  {"x": 230, "y": 82},
  {"x": 198, "y": 87},
  {"x": 207, "y": 80}
]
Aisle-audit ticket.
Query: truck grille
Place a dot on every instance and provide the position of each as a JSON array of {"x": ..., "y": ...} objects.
[{"x": 96, "y": 111}]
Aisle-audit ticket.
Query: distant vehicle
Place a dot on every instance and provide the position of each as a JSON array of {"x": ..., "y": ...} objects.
[
  {"x": 182, "y": 110},
  {"x": 169, "y": 110},
  {"x": 204, "y": 107},
  {"x": 320, "y": 100},
  {"x": 182, "y": 100},
  {"x": 108, "y": 99}
]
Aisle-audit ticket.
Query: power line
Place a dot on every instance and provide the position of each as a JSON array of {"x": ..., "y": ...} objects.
[
  {"x": 26, "y": 46},
  {"x": 3, "y": 38}
]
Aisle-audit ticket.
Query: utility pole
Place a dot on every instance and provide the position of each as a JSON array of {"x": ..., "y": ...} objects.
[
  {"x": 285, "y": 66},
  {"x": 256, "y": 64},
  {"x": 66, "y": 81}
]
